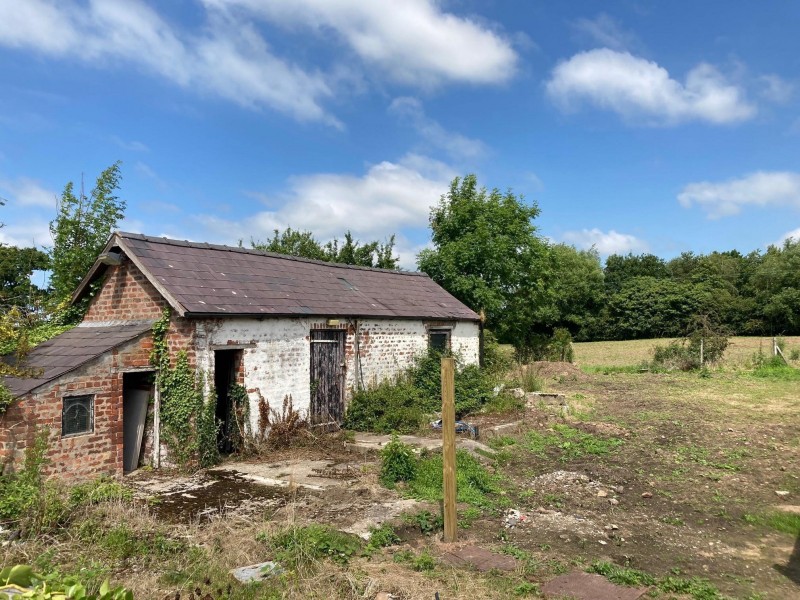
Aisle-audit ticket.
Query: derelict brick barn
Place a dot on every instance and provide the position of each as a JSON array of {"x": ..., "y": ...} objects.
[{"x": 278, "y": 325}]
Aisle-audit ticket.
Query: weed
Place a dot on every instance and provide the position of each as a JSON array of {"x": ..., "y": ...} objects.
[
  {"x": 398, "y": 463},
  {"x": 380, "y": 537},
  {"x": 427, "y": 522},
  {"x": 299, "y": 547},
  {"x": 526, "y": 589},
  {"x": 501, "y": 441},
  {"x": 677, "y": 521},
  {"x": 474, "y": 484},
  {"x": 419, "y": 562},
  {"x": 695, "y": 587},
  {"x": 570, "y": 442},
  {"x": 468, "y": 516}
]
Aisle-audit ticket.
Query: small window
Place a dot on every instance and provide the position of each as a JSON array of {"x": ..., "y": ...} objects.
[
  {"x": 439, "y": 340},
  {"x": 77, "y": 415}
]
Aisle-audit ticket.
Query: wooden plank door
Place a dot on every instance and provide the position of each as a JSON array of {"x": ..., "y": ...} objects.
[{"x": 327, "y": 375}]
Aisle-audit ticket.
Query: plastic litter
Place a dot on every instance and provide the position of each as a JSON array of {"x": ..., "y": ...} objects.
[{"x": 461, "y": 427}]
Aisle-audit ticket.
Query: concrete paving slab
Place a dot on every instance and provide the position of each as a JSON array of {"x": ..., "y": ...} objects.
[
  {"x": 372, "y": 441},
  {"x": 480, "y": 558},
  {"x": 589, "y": 586}
]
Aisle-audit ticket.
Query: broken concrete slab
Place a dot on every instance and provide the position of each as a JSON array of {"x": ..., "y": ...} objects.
[
  {"x": 480, "y": 558},
  {"x": 372, "y": 441},
  {"x": 288, "y": 473},
  {"x": 588, "y": 586},
  {"x": 378, "y": 514}
]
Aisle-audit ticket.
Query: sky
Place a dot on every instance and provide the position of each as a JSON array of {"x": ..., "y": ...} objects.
[{"x": 636, "y": 126}]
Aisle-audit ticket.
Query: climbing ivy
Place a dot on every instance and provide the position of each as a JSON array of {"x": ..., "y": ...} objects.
[{"x": 188, "y": 422}]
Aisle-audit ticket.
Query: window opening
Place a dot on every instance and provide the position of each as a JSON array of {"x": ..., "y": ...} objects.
[{"x": 77, "y": 415}]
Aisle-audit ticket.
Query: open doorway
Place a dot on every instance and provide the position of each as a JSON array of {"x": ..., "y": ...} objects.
[
  {"x": 137, "y": 390},
  {"x": 226, "y": 366}
]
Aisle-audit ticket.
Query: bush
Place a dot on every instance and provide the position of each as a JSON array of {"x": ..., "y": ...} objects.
[
  {"x": 496, "y": 360},
  {"x": 560, "y": 347},
  {"x": 402, "y": 405},
  {"x": 398, "y": 463}
]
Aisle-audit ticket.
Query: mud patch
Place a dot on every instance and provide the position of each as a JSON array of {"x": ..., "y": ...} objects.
[{"x": 211, "y": 494}]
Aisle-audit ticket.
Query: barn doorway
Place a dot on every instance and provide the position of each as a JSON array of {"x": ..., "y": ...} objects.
[
  {"x": 137, "y": 389},
  {"x": 226, "y": 366},
  {"x": 327, "y": 376}
]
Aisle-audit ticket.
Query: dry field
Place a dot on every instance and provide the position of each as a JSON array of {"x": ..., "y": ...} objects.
[{"x": 668, "y": 480}]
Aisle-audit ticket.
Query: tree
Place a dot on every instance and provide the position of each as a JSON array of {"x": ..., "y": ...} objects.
[
  {"x": 16, "y": 267},
  {"x": 352, "y": 252},
  {"x": 487, "y": 254},
  {"x": 619, "y": 269},
  {"x": 82, "y": 228}
]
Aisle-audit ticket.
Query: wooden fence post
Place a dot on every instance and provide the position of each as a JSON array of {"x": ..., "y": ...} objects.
[{"x": 449, "y": 448}]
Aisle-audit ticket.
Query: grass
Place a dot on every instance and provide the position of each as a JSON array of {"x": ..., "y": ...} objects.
[
  {"x": 633, "y": 352},
  {"x": 779, "y": 521},
  {"x": 694, "y": 587},
  {"x": 570, "y": 443}
]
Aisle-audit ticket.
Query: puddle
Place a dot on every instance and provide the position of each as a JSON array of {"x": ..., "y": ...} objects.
[{"x": 217, "y": 492}]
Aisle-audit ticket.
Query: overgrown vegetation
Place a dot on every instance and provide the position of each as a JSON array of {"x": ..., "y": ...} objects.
[
  {"x": 300, "y": 547},
  {"x": 55, "y": 586},
  {"x": 189, "y": 425},
  {"x": 570, "y": 443},
  {"x": 694, "y": 587},
  {"x": 422, "y": 476},
  {"x": 402, "y": 405}
]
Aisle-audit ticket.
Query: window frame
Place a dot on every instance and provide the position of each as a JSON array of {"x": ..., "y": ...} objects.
[
  {"x": 64, "y": 401},
  {"x": 445, "y": 331}
]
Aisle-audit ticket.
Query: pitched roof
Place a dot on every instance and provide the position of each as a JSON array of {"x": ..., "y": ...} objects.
[
  {"x": 70, "y": 350},
  {"x": 200, "y": 279}
]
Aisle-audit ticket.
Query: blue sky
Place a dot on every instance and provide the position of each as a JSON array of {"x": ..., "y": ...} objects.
[{"x": 636, "y": 126}]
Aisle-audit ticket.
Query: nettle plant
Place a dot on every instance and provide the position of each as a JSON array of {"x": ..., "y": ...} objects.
[{"x": 188, "y": 420}]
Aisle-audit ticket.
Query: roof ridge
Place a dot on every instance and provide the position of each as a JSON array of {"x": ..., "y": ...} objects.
[{"x": 223, "y": 248}]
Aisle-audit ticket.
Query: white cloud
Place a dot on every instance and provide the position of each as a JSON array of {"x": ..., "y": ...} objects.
[
  {"x": 793, "y": 235},
  {"x": 31, "y": 232},
  {"x": 28, "y": 192},
  {"x": 388, "y": 198},
  {"x": 133, "y": 145},
  {"x": 642, "y": 90},
  {"x": 776, "y": 89},
  {"x": 605, "y": 31},
  {"x": 610, "y": 242},
  {"x": 455, "y": 144},
  {"x": 228, "y": 59},
  {"x": 413, "y": 41},
  {"x": 763, "y": 188}
]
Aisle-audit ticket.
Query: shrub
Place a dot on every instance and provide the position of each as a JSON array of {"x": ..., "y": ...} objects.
[
  {"x": 390, "y": 406},
  {"x": 496, "y": 360},
  {"x": 398, "y": 463},
  {"x": 560, "y": 346},
  {"x": 402, "y": 405}
]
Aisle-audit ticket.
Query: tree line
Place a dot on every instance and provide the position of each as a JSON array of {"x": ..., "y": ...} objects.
[{"x": 487, "y": 251}]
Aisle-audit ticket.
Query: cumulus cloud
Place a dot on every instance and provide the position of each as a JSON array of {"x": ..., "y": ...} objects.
[
  {"x": 793, "y": 235},
  {"x": 387, "y": 198},
  {"x": 605, "y": 242},
  {"x": 228, "y": 59},
  {"x": 28, "y": 192},
  {"x": 33, "y": 232},
  {"x": 761, "y": 189},
  {"x": 455, "y": 144},
  {"x": 413, "y": 42},
  {"x": 604, "y": 31},
  {"x": 642, "y": 90}
]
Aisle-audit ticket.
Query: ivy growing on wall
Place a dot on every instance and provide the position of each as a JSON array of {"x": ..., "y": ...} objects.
[{"x": 188, "y": 422}]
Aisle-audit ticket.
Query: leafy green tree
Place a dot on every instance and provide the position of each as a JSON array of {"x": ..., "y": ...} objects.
[
  {"x": 576, "y": 292},
  {"x": 82, "y": 228},
  {"x": 351, "y": 252},
  {"x": 16, "y": 267},
  {"x": 487, "y": 254},
  {"x": 775, "y": 284},
  {"x": 620, "y": 269}
]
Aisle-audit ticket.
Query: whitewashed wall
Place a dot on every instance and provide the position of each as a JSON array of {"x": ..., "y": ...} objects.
[{"x": 277, "y": 355}]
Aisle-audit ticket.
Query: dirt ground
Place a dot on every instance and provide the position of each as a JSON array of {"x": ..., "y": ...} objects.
[{"x": 669, "y": 474}]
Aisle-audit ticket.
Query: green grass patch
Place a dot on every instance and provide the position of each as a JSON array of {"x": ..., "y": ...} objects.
[
  {"x": 614, "y": 369},
  {"x": 474, "y": 484},
  {"x": 778, "y": 371},
  {"x": 300, "y": 547},
  {"x": 694, "y": 587},
  {"x": 570, "y": 443},
  {"x": 779, "y": 521}
]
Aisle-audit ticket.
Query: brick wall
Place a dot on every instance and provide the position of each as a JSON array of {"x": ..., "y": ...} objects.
[
  {"x": 126, "y": 295},
  {"x": 276, "y": 353},
  {"x": 85, "y": 455}
]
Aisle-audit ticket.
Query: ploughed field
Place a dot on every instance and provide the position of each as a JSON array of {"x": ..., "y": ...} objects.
[{"x": 684, "y": 483}]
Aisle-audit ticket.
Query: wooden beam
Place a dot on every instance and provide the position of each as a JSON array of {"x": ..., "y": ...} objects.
[{"x": 449, "y": 448}]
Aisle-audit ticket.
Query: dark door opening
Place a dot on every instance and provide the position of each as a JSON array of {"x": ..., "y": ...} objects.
[
  {"x": 226, "y": 364},
  {"x": 327, "y": 376},
  {"x": 137, "y": 389}
]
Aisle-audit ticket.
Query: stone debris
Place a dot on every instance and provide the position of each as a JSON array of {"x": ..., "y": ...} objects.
[
  {"x": 647, "y": 495},
  {"x": 782, "y": 493},
  {"x": 514, "y": 518},
  {"x": 257, "y": 572}
]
